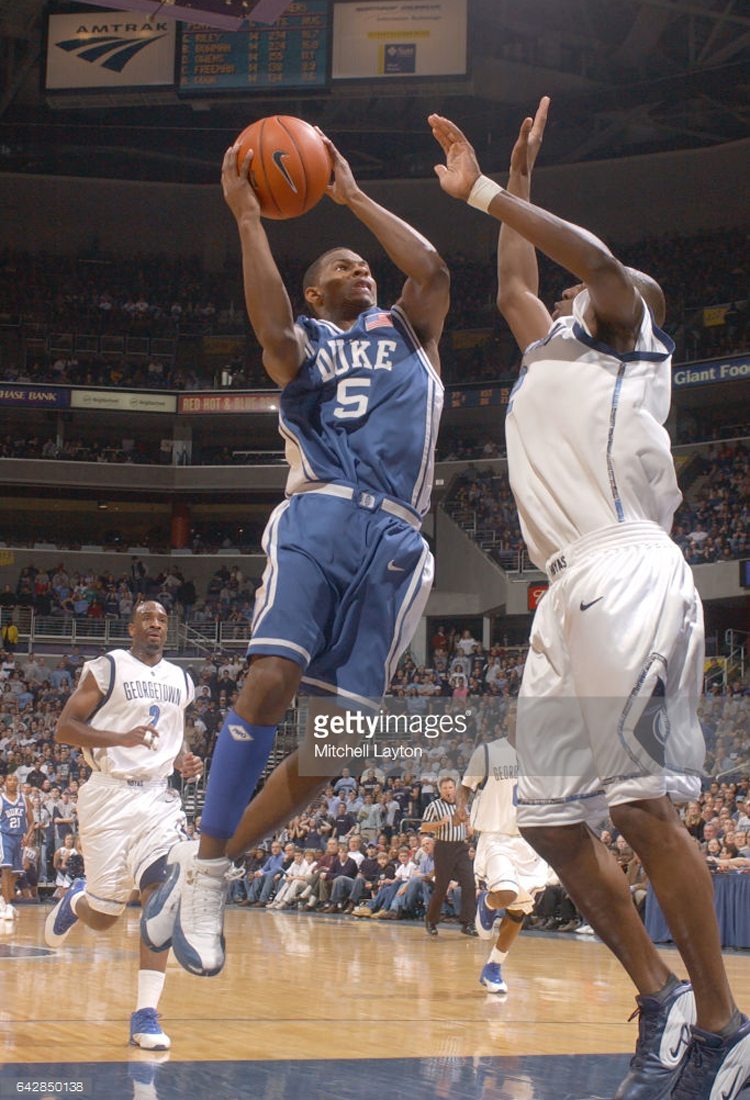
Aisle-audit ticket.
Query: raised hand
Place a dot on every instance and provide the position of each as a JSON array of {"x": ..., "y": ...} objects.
[
  {"x": 529, "y": 140},
  {"x": 238, "y": 191},
  {"x": 461, "y": 169},
  {"x": 343, "y": 186}
]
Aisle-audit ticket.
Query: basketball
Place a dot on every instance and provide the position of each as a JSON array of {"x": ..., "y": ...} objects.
[{"x": 290, "y": 168}]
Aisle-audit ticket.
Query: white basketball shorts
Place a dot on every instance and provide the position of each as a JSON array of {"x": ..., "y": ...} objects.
[
  {"x": 607, "y": 710},
  {"x": 125, "y": 826},
  {"x": 509, "y": 863}
]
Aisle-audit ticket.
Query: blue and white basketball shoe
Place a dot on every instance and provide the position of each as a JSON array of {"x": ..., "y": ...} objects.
[
  {"x": 198, "y": 936},
  {"x": 146, "y": 1032},
  {"x": 661, "y": 1051},
  {"x": 159, "y": 912},
  {"x": 492, "y": 978},
  {"x": 485, "y": 918},
  {"x": 62, "y": 918},
  {"x": 716, "y": 1068}
]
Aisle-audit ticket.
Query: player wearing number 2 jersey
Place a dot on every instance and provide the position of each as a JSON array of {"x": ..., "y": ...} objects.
[
  {"x": 348, "y": 572},
  {"x": 127, "y": 715}
]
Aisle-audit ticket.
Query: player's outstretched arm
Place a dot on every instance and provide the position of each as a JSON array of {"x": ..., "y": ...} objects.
[
  {"x": 73, "y": 728},
  {"x": 517, "y": 267},
  {"x": 266, "y": 298},
  {"x": 613, "y": 294},
  {"x": 426, "y": 294}
]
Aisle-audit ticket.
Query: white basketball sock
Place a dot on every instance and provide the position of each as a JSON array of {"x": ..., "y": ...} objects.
[
  {"x": 150, "y": 985},
  {"x": 497, "y": 956}
]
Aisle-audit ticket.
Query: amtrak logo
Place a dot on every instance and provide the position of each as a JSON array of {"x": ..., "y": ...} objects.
[
  {"x": 278, "y": 160},
  {"x": 109, "y": 51}
]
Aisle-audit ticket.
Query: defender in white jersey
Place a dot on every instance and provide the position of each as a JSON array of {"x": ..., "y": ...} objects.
[
  {"x": 348, "y": 572},
  {"x": 613, "y": 675},
  {"x": 127, "y": 714},
  {"x": 505, "y": 865}
]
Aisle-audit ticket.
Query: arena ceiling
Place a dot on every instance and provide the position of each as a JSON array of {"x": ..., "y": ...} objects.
[{"x": 625, "y": 76}]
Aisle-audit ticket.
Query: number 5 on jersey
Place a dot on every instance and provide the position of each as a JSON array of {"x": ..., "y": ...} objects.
[{"x": 351, "y": 405}]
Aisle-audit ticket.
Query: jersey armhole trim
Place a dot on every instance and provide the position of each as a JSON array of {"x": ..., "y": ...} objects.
[{"x": 108, "y": 694}]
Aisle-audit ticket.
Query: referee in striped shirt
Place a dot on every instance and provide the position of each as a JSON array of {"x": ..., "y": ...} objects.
[{"x": 452, "y": 861}]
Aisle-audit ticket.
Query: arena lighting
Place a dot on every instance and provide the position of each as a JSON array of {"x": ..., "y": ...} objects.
[{"x": 227, "y": 15}]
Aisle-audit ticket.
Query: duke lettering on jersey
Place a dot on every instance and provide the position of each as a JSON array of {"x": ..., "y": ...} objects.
[
  {"x": 364, "y": 409},
  {"x": 13, "y": 816},
  {"x": 340, "y": 357}
]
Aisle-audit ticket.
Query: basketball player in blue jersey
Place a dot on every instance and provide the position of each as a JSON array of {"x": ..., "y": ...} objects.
[
  {"x": 348, "y": 572},
  {"x": 607, "y": 709},
  {"x": 16, "y": 831}
]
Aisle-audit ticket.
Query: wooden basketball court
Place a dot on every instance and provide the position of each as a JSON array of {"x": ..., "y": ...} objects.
[{"x": 310, "y": 1005}]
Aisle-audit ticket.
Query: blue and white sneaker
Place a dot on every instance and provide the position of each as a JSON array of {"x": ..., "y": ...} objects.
[
  {"x": 62, "y": 918},
  {"x": 159, "y": 912},
  {"x": 485, "y": 918},
  {"x": 492, "y": 978},
  {"x": 716, "y": 1068},
  {"x": 145, "y": 1031},
  {"x": 198, "y": 936},
  {"x": 662, "y": 1047}
]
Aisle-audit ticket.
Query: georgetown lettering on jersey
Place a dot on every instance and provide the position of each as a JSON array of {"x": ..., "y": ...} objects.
[{"x": 146, "y": 689}]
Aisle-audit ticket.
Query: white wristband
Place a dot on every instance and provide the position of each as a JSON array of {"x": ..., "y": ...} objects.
[{"x": 483, "y": 192}]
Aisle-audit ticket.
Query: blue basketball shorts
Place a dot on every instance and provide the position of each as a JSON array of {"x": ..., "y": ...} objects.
[
  {"x": 11, "y": 851},
  {"x": 344, "y": 587}
]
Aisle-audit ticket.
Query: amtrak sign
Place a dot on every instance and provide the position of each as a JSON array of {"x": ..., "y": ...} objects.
[{"x": 107, "y": 50}]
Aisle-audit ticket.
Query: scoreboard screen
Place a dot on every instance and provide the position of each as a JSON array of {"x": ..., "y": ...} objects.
[{"x": 291, "y": 53}]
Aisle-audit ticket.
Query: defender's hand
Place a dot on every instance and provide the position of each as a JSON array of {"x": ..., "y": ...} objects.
[
  {"x": 529, "y": 140},
  {"x": 461, "y": 169},
  {"x": 238, "y": 191}
]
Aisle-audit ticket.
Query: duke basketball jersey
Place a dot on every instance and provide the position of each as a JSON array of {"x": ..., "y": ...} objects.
[
  {"x": 586, "y": 445},
  {"x": 364, "y": 409},
  {"x": 13, "y": 820},
  {"x": 137, "y": 694}
]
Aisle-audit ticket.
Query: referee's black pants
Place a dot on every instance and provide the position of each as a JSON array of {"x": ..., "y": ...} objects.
[{"x": 452, "y": 861}]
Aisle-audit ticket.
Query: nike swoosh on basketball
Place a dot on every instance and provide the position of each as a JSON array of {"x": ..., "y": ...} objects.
[
  {"x": 278, "y": 160},
  {"x": 393, "y": 568},
  {"x": 586, "y": 606}
]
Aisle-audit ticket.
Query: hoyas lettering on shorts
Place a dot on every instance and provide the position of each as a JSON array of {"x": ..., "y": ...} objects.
[
  {"x": 144, "y": 689},
  {"x": 557, "y": 566},
  {"x": 341, "y": 356}
]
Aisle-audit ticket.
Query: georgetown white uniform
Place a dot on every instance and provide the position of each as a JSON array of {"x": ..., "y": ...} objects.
[
  {"x": 503, "y": 860},
  {"x": 610, "y": 688},
  {"x": 128, "y": 815}
]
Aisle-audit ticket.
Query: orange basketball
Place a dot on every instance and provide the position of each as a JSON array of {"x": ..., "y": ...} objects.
[{"x": 290, "y": 169}]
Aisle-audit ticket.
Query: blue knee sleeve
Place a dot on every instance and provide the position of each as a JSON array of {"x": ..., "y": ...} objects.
[{"x": 239, "y": 758}]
